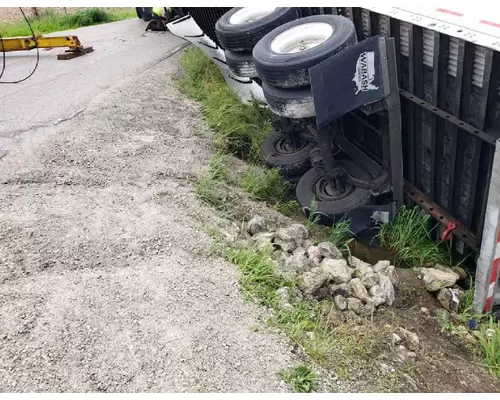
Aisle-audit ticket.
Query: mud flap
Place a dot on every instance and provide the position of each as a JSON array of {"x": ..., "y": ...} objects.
[{"x": 189, "y": 30}]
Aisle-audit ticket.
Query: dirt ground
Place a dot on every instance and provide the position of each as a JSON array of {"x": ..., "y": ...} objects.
[
  {"x": 105, "y": 284},
  {"x": 444, "y": 361}
]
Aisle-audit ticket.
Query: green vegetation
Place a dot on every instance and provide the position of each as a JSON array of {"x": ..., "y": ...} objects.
[
  {"x": 214, "y": 193},
  {"x": 444, "y": 322},
  {"x": 258, "y": 279},
  {"x": 340, "y": 235},
  {"x": 51, "y": 21},
  {"x": 218, "y": 168},
  {"x": 267, "y": 185},
  {"x": 301, "y": 379},
  {"x": 408, "y": 236},
  {"x": 238, "y": 128},
  {"x": 489, "y": 342},
  {"x": 290, "y": 208}
]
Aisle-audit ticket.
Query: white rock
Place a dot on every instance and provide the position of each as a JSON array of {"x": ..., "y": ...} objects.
[
  {"x": 360, "y": 267},
  {"x": 329, "y": 250},
  {"x": 436, "y": 279},
  {"x": 370, "y": 280},
  {"x": 299, "y": 251},
  {"x": 263, "y": 239},
  {"x": 284, "y": 293},
  {"x": 404, "y": 354},
  {"x": 295, "y": 232},
  {"x": 411, "y": 339},
  {"x": 381, "y": 265},
  {"x": 313, "y": 252},
  {"x": 377, "y": 301},
  {"x": 387, "y": 288},
  {"x": 336, "y": 270},
  {"x": 396, "y": 338},
  {"x": 298, "y": 263},
  {"x": 358, "y": 290},
  {"x": 307, "y": 243},
  {"x": 341, "y": 302},
  {"x": 450, "y": 298},
  {"x": 256, "y": 225},
  {"x": 356, "y": 306},
  {"x": 393, "y": 275},
  {"x": 424, "y": 310},
  {"x": 356, "y": 262},
  {"x": 311, "y": 281}
]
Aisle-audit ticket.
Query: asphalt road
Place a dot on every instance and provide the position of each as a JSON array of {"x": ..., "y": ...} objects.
[{"x": 61, "y": 89}]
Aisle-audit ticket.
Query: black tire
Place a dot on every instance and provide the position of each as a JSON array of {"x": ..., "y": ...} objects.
[
  {"x": 241, "y": 64},
  {"x": 309, "y": 189},
  {"x": 278, "y": 154},
  {"x": 291, "y": 70},
  {"x": 243, "y": 37},
  {"x": 138, "y": 10},
  {"x": 290, "y": 103}
]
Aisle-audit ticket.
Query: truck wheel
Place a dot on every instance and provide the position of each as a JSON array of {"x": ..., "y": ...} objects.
[
  {"x": 242, "y": 27},
  {"x": 241, "y": 64},
  {"x": 283, "y": 57},
  {"x": 138, "y": 11},
  {"x": 279, "y": 153},
  {"x": 291, "y": 103},
  {"x": 313, "y": 186}
]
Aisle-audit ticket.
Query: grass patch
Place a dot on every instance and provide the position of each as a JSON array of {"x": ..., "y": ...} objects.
[
  {"x": 51, "y": 21},
  {"x": 489, "y": 342},
  {"x": 301, "y": 379},
  {"x": 340, "y": 235},
  {"x": 214, "y": 193},
  {"x": 238, "y": 128},
  {"x": 267, "y": 185},
  {"x": 409, "y": 238},
  {"x": 290, "y": 208},
  {"x": 444, "y": 321},
  {"x": 218, "y": 168},
  {"x": 258, "y": 279}
]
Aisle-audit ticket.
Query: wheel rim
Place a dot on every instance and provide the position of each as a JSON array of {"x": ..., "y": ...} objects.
[
  {"x": 285, "y": 147},
  {"x": 250, "y": 14},
  {"x": 322, "y": 191},
  {"x": 301, "y": 38}
]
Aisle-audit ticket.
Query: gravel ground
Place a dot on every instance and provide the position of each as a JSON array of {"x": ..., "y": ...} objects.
[{"x": 104, "y": 280}]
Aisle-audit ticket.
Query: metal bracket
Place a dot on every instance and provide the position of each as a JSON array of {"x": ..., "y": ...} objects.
[{"x": 441, "y": 216}]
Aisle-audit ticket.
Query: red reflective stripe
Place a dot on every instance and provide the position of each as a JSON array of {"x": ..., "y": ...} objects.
[
  {"x": 495, "y": 24},
  {"x": 498, "y": 236},
  {"x": 456, "y": 14},
  {"x": 494, "y": 271},
  {"x": 488, "y": 304}
]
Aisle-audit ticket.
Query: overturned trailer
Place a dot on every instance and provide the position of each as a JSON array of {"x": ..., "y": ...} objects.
[{"x": 448, "y": 64}]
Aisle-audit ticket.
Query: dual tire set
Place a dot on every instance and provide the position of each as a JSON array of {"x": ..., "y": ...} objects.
[{"x": 277, "y": 47}]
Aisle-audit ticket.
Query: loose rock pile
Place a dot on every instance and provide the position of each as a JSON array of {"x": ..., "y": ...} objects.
[
  {"x": 323, "y": 271},
  {"x": 442, "y": 280}
]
